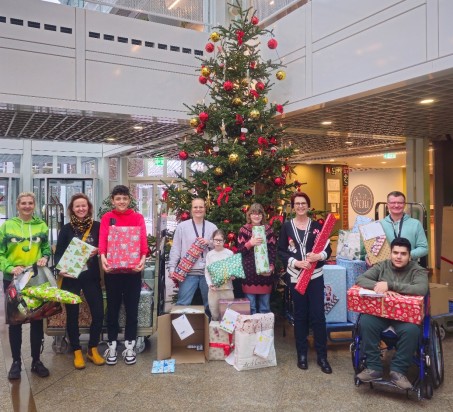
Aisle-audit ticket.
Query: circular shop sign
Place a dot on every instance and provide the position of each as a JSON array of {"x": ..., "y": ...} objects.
[{"x": 362, "y": 199}]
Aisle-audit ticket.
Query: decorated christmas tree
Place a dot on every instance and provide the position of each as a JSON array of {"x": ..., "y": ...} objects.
[{"x": 236, "y": 152}]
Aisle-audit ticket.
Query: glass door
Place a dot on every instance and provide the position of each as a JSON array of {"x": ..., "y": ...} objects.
[{"x": 9, "y": 190}]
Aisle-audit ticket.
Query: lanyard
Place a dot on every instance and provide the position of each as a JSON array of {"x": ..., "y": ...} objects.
[{"x": 400, "y": 226}]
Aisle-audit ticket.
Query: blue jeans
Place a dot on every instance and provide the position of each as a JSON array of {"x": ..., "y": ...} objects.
[
  {"x": 188, "y": 288},
  {"x": 264, "y": 303}
]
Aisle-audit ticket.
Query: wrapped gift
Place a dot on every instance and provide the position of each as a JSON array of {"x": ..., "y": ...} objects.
[
  {"x": 376, "y": 244},
  {"x": 360, "y": 220},
  {"x": 47, "y": 293},
  {"x": 349, "y": 245},
  {"x": 240, "y": 305},
  {"x": 123, "y": 248},
  {"x": 59, "y": 320},
  {"x": 354, "y": 268},
  {"x": 222, "y": 270},
  {"x": 220, "y": 342},
  {"x": 406, "y": 308},
  {"x": 188, "y": 260},
  {"x": 260, "y": 251},
  {"x": 320, "y": 243},
  {"x": 335, "y": 293},
  {"x": 75, "y": 257},
  {"x": 144, "y": 309}
]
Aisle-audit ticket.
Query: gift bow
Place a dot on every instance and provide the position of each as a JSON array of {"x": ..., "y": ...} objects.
[
  {"x": 274, "y": 218},
  {"x": 227, "y": 347},
  {"x": 224, "y": 193}
]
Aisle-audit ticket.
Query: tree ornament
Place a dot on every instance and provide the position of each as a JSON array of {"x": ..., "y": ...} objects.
[
  {"x": 205, "y": 71},
  {"x": 239, "y": 119},
  {"x": 257, "y": 153},
  {"x": 264, "y": 99},
  {"x": 237, "y": 101},
  {"x": 233, "y": 158},
  {"x": 259, "y": 86},
  {"x": 215, "y": 37},
  {"x": 253, "y": 65},
  {"x": 226, "y": 221},
  {"x": 242, "y": 138},
  {"x": 228, "y": 86},
  {"x": 272, "y": 44},
  {"x": 321, "y": 221},
  {"x": 203, "y": 80},
  {"x": 224, "y": 193},
  {"x": 279, "y": 108},
  {"x": 234, "y": 249},
  {"x": 273, "y": 140},
  {"x": 200, "y": 128},
  {"x": 240, "y": 37},
  {"x": 244, "y": 209},
  {"x": 254, "y": 94},
  {"x": 248, "y": 193},
  {"x": 278, "y": 181},
  {"x": 231, "y": 236},
  {"x": 209, "y": 47},
  {"x": 194, "y": 122},
  {"x": 226, "y": 245},
  {"x": 183, "y": 155},
  {"x": 203, "y": 116},
  {"x": 254, "y": 114},
  {"x": 218, "y": 171},
  {"x": 245, "y": 82},
  {"x": 262, "y": 141},
  {"x": 254, "y": 20},
  {"x": 273, "y": 150},
  {"x": 184, "y": 216},
  {"x": 280, "y": 75}
]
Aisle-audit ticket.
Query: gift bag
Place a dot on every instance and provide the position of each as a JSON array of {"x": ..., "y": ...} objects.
[
  {"x": 260, "y": 251},
  {"x": 350, "y": 246},
  {"x": 222, "y": 270},
  {"x": 123, "y": 248},
  {"x": 249, "y": 330},
  {"x": 188, "y": 260}
]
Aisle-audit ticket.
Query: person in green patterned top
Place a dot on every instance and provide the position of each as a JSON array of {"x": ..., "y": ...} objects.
[{"x": 23, "y": 242}]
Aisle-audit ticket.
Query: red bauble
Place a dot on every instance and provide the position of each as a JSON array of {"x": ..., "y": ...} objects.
[
  {"x": 226, "y": 246},
  {"x": 262, "y": 141},
  {"x": 273, "y": 140},
  {"x": 242, "y": 137},
  {"x": 279, "y": 181},
  {"x": 260, "y": 86},
  {"x": 254, "y": 94},
  {"x": 321, "y": 221},
  {"x": 203, "y": 116},
  {"x": 248, "y": 192},
  {"x": 279, "y": 108},
  {"x": 231, "y": 237},
  {"x": 252, "y": 65},
  {"x": 203, "y": 80},
  {"x": 183, "y": 155},
  {"x": 200, "y": 128},
  {"x": 228, "y": 86},
  {"x": 226, "y": 221},
  {"x": 209, "y": 47},
  {"x": 234, "y": 249},
  {"x": 244, "y": 209},
  {"x": 185, "y": 216},
  {"x": 272, "y": 44},
  {"x": 254, "y": 20}
]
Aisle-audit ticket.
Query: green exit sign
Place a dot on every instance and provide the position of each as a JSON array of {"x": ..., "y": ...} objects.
[
  {"x": 389, "y": 155},
  {"x": 158, "y": 161}
]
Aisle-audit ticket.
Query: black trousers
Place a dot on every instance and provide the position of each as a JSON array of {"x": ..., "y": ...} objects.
[
  {"x": 122, "y": 287},
  {"x": 91, "y": 286},
  {"x": 309, "y": 310},
  {"x": 15, "y": 335}
]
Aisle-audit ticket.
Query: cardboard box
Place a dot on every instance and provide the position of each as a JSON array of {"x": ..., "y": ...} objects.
[
  {"x": 241, "y": 306},
  {"x": 439, "y": 295},
  {"x": 407, "y": 308},
  {"x": 169, "y": 345},
  {"x": 446, "y": 273}
]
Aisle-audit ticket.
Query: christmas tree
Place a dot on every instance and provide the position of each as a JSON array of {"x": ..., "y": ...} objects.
[{"x": 236, "y": 152}]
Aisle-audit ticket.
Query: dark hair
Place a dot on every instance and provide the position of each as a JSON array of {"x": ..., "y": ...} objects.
[
  {"x": 219, "y": 232},
  {"x": 401, "y": 241},
  {"x": 396, "y": 193},
  {"x": 256, "y": 208},
  {"x": 120, "y": 190},
  {"x": 300, "y": 194},
  {"x": 80, "y": 196}
]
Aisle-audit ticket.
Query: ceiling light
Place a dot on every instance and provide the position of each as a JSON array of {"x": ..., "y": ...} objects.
[
  {"x": 426, "y": 101},
  {"x": 138, "y": 127},
  {"x": 110, "y": 139},
  {"x": 358, "y": 164},
  {"x": 332, "y": 160},
  {"x": 173, "y": 4},
  {"x": 348, "y": 142},
  {"x": 326, "y": 123},
  {"x": 383, "y": 163}
]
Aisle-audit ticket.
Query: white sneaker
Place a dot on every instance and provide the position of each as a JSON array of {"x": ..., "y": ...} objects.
[
  {"x": 110, "y": 354},
  {"x": 129, "y": 354}
]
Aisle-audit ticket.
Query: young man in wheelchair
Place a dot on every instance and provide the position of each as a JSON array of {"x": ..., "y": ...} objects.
[{"x": 397, "y": 275}]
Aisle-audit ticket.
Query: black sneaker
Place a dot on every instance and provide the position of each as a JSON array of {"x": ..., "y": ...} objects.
[
  {"x": 14, "y": 372},
  {"x": 38, "y": 368}
]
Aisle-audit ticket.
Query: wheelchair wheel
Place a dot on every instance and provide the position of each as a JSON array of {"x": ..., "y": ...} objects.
[{"x": 436, "y": 355}]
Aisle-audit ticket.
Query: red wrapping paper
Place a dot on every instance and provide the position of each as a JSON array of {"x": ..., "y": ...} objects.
[
  {"x": 320, "y": 244},
  {"x": 123, "y": 248},
  {"x": 406, "y": 308},
  {"x": 188, "y": 260}
]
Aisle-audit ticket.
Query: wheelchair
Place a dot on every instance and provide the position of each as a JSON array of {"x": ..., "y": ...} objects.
[{"x": 428, "y": 358}]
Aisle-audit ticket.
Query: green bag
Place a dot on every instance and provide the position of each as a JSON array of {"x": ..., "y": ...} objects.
[{"x": 222, "y": 270}]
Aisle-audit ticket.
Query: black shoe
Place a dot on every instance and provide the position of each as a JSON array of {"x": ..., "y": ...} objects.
[
  {"x": 325, "y": 367},
  {"x": 38, "y": 368},
  {"x": 14, "y": 372},
  {"x": 302, "y": 362}
]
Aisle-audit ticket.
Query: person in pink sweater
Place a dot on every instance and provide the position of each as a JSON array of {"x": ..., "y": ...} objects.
[{"x": 122, "y": 287}]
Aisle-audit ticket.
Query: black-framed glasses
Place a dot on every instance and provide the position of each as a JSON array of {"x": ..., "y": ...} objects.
[
  {"x": 301, "y": 204},
  {"x": 218, "y": 240}
]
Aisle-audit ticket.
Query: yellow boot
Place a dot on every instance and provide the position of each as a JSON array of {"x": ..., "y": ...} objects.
[
  {"x": 79, "y": 362},
  {"x": 93, "y": 356}
]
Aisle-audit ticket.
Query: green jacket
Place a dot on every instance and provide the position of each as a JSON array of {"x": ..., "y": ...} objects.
[
  {"x": 410, "y": 280},
  {"x": 22, "y": 243}
]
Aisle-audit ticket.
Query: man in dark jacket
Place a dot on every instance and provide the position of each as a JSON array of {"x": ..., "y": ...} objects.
[{"x": 397, "y": 275}]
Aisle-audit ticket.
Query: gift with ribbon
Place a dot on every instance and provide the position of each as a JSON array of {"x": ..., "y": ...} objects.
[
  {"x": 220, "y": 342},
  {"x": 188, "y": 260}
]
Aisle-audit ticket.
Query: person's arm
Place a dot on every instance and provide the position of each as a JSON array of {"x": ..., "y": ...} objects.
[
  {"x": 245, "y": 242},
  {"x": 175, "y": 251},
  {"x": 5, "y": 264},
  {"x": 369, "y": 279},
  {"x": 283, "y": 244},
  {"x": 271, "y": 247},
  {"x": 44, "y": 247},
  {"x": 206, "y": 272},
  {"x": 418, "y": 285},
  {"x": 421, "y": 243},
  {"x": 103, "y": 235},
  {"x": 63, "y": 241}
]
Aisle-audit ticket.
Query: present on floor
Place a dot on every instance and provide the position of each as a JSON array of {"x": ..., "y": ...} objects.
[
  {"x": 406, "y": 308},
  {"x": 354, "y": 268},
  {"x": 75, "y": 257},
  {"x": 335, "y": 293},
  {"x": 241, "y": 305},
  {"x": 123, "y": 248},
  {"x": 220, "y": 342},
  {"x": 144, "y": 309},
  {"x": 260, "y": 251}
]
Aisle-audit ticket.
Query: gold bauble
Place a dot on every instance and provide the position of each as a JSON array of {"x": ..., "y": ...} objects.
[
  {"x": 280, "y": 75},
  {"x": 237, "y": 101},
  {"x": 254, "y": 114},
  {"x": 218, "y": 171},
  {"x": 194, "y": 122},
  {"x": 205, "y": 72},
  {"x": 215, "y": 37},
  {"x": 233, "y": 158},
  {"x": 264, "y": 99},
  {"x": 257, "y": 153},
  {"x": 245, "y": 82}
]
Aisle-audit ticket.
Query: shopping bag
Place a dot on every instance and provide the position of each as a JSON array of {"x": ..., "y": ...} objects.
[
  {"x": 223, "y": 270},
  {"x": 350, "y": 246}
]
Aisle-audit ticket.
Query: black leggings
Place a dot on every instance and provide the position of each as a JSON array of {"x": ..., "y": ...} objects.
[
  {"x": 91, "y": 286},
  {"x": 15, "y": 335}
]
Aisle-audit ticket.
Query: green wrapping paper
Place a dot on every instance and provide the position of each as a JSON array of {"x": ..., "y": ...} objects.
[
  {"x": 222, "y": 270},
  {"x": 48, "y": 293},
  {"x": 261, "y": 255}
]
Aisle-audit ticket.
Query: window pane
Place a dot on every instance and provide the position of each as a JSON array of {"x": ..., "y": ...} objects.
[
  {"x": 134, "y": 167},
  {"x": 42, "y": 164},
  {"x": 67, "y": 165},
  {"x": 113, "y": 169},
  {"x": 174, "y": 167},
  {"x": 9, "y": 163},
  {"x": 155, "y": 168},
  {"x": 89, "y": 165}
]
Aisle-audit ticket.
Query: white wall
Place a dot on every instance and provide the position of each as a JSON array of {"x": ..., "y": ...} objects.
[{"x": 381, "y": 182}]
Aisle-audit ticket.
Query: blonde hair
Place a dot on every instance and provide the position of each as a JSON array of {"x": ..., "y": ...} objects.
[
  {"x": 25, "y": 194},
  {"x": 256, "y": 208}
]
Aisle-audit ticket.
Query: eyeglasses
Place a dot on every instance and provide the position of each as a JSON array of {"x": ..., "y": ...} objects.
[
  {"x": 396, "y": 203},
  {"x": 197, "y": 207},
  {"x": 218, "y": 240},
  {"x": 300, "y": 204},
  {"x": 256, "y": 213}
]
